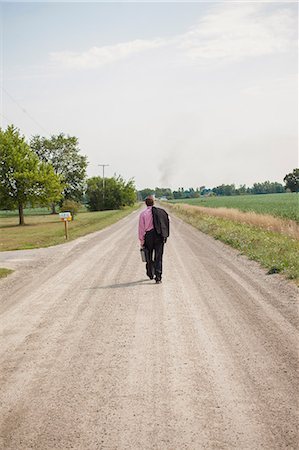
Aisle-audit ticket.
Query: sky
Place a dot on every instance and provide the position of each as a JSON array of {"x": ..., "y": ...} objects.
[{"x": 171, "y": 94}]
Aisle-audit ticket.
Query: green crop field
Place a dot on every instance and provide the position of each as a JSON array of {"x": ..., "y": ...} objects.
[{"x": 281, "y": 205}]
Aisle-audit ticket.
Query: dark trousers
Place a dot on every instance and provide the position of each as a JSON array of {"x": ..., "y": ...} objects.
[{"x": 154, "y": 246}]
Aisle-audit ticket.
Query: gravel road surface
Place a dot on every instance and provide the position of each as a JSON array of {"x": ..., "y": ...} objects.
[{"x": 96, "y": 356}]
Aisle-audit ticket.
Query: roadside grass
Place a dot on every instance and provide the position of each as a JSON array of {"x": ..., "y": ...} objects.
[
  {"x": 4, "y": 272},
  {"x": 276, "y": 252},
  {"x": 48, "y": 230},
  {"x": 284, "y": 205}
]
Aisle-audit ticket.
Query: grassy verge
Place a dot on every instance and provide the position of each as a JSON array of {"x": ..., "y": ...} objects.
[
  {"x": 274, "y": 251},
  {"x": 47, "y": 230},
  {"x": 4, "y": 272}
]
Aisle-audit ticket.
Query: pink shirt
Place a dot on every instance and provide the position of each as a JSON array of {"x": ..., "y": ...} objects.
[{"x": 145, "y": 223}]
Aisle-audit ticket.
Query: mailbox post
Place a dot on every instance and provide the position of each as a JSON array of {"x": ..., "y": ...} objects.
[{"x": 65, "y": 217}]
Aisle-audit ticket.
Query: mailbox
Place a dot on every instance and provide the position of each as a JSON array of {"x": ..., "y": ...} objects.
[{"x": 65, "y": 216}]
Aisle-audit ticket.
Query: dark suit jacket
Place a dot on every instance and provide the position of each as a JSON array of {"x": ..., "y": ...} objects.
[{"x": 161, "y": 222}]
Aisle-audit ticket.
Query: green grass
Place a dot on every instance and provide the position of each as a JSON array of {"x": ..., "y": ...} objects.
[
  {"x": 274, "y": 251},
  {"x": 31, "y": 212},
  {"x": 46, "y": 230},
  {"x": 4, "y": 272},
  {"x": 27, "y": 212},
  {"x": 281, "y": 205}
]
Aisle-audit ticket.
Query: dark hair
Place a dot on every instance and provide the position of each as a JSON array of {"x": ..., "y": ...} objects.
[{"x": 149, "y": 200}]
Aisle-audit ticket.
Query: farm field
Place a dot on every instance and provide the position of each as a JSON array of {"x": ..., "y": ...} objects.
[
  {"x": 281, "y": 205},
  {"x": 44, "y": 230}
]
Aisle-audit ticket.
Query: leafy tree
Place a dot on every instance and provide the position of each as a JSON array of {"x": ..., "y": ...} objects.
[
  {"x": 241, "y": 190},
  {"x": 23, "y": 177},
  {"x": 225, "y": 189},
  {"x": 128, "y": 191},
  {"x": 117, "y": 193},
  {"x": 177, "y": 194},
  {"x": 63, "y": 153},
  {"x": 145, "y": 193},
  {"x": 180, "y": 193},
  {"x": 267, "y": 187},
  {"x": 164, "y": 192},
  {"x": 206, "y": 191},
  {"x": 292, "y": 180}
]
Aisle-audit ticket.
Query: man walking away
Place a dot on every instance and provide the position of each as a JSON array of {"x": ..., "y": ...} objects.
[{"x": 153, "y": 232}]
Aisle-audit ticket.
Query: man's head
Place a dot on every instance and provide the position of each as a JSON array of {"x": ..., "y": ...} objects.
[{"x": 149, "y": 200}]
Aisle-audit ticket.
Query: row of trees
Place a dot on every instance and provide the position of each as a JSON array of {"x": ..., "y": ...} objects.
[
  {"x": 267, "y": 187},
  {"x": 50, "y": 172}
]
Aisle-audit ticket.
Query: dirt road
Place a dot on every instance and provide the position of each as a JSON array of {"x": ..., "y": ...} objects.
[{"x": 95, "y": 356}]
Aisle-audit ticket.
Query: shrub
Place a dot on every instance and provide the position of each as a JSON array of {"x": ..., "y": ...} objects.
[{"x": 117, "y": 193}]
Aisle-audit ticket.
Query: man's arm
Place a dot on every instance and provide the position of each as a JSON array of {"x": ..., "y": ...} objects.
[{"x": 141, "y": 230}]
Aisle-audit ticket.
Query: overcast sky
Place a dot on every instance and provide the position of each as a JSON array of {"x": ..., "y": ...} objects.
[{"x": 172, "y": 94}]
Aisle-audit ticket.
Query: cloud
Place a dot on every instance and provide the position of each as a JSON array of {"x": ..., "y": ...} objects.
[
  {"x": 282, "y": 85},
  {"x": 237, "y": 31},
  {"x": 229, "y": 32},
  {"x": 100, "y": 56}
]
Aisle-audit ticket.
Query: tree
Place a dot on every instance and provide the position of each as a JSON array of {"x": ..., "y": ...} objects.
[
  {"x": 116, "y": 195},
  {"x": 63, "y": 153},
  {"x": 225, "y": 189},
  {"x": 128, "y": 191},
  {"x": 292, "y": 180},
  {"x": 179, "y": 193},
  {"x": 145, "y": 193},
  {"x": 241, "y": 190},
  {"x": 23, "y": 177},
  {"x": 267, "y": 187},
  {"x": 163, "y": 192}
]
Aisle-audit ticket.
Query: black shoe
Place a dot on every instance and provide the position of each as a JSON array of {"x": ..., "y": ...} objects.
[
  {"x": 150, "y": 275},
  {"x": 158, "y": 281}
]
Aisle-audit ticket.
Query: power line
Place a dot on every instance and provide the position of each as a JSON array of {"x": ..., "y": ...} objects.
[{"x": 24, "y": 111}]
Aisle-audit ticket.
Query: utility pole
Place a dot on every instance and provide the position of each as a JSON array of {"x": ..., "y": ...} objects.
[{"x": 103, "y": 167}]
